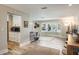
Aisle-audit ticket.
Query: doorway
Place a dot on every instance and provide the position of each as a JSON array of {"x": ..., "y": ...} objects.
[{"x": 12, "y": 25}]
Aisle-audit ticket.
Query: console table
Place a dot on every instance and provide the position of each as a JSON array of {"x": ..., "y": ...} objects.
[{"x": 72, "y": 46}]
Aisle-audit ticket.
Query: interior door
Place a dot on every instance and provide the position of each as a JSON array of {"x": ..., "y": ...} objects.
[{"x": 7, "y": 31}]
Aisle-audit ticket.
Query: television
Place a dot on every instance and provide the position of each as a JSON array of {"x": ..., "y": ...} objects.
[{"x": 15, "y": 29}]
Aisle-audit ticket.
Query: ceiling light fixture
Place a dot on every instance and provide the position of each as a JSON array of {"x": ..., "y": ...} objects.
[{"x": 44, "y": 8}]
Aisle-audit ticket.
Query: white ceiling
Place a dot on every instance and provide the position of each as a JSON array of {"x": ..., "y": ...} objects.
[{"x": 53, "y": 11}]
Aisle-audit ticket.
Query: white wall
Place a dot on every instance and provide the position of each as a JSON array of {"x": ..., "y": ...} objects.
[
  {"x": 24, "y": 31},
  {"x": 3, "y": 26},
  {"x": 50, "y": 34},
  {"x": 60, "y": 21},
  {"x": 17, "y": 20}
]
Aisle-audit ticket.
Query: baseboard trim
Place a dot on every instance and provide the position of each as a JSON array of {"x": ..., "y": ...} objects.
[
  {"x": 3, "y": 51},
  {"x": 24, "y": 43},
  {"x": 62, "y": 37}
]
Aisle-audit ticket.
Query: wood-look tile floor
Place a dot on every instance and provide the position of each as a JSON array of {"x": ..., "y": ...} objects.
[
  {"x": 12, "y": 44},
  {"x": 33, "y": 49},
  {"x": 46, "y": 46}
]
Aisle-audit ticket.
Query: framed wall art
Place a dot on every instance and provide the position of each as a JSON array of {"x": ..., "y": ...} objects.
[
  {"x": 25, "y": 24},
  {"x": 50, "y": 27}
]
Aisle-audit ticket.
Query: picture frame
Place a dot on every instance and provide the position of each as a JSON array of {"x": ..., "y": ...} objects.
[
  {"x": 50, "y": 27},
  {"x": 78, "y": 28},
  {"x": 25, "y": 24}
]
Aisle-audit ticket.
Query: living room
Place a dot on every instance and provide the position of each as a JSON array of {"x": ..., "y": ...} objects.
[{"x": 37, "y": 29}]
